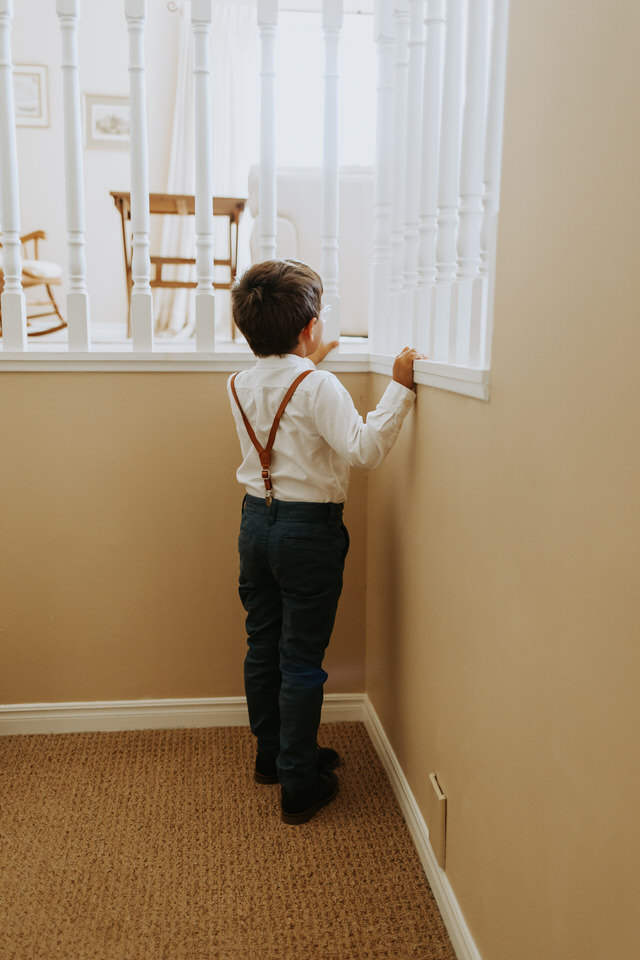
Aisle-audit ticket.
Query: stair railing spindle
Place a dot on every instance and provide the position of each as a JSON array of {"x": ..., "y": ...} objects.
[
  {"x": 332, "y": 18},
  {"x": 267, "y": 21},
  {"x": 413, "y": 162},
  {"x": 384, "y": 35},
  {"x": 141, "y": 296},
  {"x": 470, "y": 286},
  {"x": 204, "y": 295},
  {"x": 449, "y": 168},
  {"x": 428, "y": 226},
  {"x": 14, "y": 322},
  {"x": 401, "y": 19},
  {"x": 493, "y": 159},
  {"x": 77, "y": 298}
]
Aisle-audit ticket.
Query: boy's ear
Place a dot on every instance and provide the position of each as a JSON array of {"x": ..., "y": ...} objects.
[{"x": 307, "y": 331}]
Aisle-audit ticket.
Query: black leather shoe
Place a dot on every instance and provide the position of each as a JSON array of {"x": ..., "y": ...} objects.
[
  {"x": 298, "y": 806},
  {"x": 267, "y": 772}
]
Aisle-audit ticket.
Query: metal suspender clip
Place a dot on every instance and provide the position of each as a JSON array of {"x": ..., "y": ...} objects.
[{"x": 268, "y": 486}]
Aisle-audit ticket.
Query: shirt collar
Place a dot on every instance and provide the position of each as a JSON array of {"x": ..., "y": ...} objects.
[{"x": 289, "y": 361}]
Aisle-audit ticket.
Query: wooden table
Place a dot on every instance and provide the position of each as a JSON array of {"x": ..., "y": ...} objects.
[{"x": 179, "y": 204}]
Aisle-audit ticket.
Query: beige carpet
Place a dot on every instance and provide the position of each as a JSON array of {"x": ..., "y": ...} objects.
[{"x": 158, "y": 845}]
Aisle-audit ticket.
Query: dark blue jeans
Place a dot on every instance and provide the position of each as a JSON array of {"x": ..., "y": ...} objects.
[{"x": 291, "y": 563}]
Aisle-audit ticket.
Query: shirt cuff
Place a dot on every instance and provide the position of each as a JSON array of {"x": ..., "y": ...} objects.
[{"x": 398, "y": 398}]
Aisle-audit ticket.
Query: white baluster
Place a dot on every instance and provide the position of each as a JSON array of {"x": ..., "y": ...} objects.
[
  {"x": 412, "y": 171},
  {"x": 470, "y": 284},
  {"x": 401, "y": 17},
  {"x": 331, "y": 26},
  {"x": 205, "y": 325},
  {"x": 384, "y": 34},
  {"x": 14, "y": 323},
  {"x": 141, "y": 297},
  {"x": 449, "y": 167},
  {"x": 492, "y": 163},
  {"x": 77, "y": 297},
  {"x": 432, "y": 113},
  {"x": 267, "y": 20}
]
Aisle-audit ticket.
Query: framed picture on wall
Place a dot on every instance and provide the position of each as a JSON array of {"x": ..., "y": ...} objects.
[
  {"x": 31, "y": 95},
  {"x": 106, "y": 122}
]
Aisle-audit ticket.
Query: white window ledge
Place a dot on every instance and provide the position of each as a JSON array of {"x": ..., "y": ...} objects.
[
  {"x": 469, "y": 381},
  {"x": 181, "y": 358}
]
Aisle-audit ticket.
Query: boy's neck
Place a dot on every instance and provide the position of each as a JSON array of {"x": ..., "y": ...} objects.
[{"x": 300, "y": 351}]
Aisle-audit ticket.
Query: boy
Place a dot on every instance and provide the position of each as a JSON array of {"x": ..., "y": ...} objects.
[{"x": 292, "y": 541}]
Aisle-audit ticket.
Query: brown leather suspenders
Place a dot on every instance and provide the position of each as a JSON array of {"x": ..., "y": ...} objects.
[{"x": 265, "y": 452}]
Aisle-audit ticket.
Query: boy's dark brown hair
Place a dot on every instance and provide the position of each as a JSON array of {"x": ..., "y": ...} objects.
[{"x": 272, "y": 303}]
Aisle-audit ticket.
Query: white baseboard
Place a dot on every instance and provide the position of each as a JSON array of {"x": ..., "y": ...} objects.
[
  {"x": 152, "y": 714},
  {"x": 76, "y": 717},
  {"x": 32, "y": 718},
  {"x": 454, "y": 921}
]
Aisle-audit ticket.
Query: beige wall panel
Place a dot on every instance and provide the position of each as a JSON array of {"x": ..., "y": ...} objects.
[
  {"x": 118, "y": 529},
  {"x": 504, "y": 538}
]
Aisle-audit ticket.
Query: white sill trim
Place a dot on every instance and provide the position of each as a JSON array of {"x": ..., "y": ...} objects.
[
  {"x": 352, "y": 358},
  {"x": 468, "y": 381}
]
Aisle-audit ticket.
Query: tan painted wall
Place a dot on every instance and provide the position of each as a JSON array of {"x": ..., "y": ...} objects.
[
  {"x": 118, "y": 526},
  {"x": 502, "y": 553},
  {"x": 504, "y": 538}
]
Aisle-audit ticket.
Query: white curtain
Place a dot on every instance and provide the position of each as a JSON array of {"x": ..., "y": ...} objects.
[{"x": 235, "y": 98}]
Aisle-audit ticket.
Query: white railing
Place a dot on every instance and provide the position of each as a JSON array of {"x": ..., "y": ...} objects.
[
  {"x": 435, "y": 221},
  {"x": 267, "y": 22},
  {"x": 14, "y": 324},
  {"x": 141, "y": 295},
  {"x": 78, "y": 297},
  {"x": 440, "y": 93},
  {"x": 205, "y": 315},
  {"x": 331, "y": 26}
]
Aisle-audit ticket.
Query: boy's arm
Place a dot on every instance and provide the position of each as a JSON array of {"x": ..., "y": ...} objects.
[
  {"x": 318, "y": 355},
  {"x": 360, "y": 443}
]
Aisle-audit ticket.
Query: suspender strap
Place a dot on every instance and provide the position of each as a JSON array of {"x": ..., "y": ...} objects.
[{"x": 265, "y": 452}]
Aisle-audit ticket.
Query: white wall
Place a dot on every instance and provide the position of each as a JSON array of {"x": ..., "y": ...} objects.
[{"x": 300, "y": 90}]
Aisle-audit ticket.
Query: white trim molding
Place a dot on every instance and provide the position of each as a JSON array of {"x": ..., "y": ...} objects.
[
  {"x": 449, "y": 907},
  {"x": 104, "y": 715},
  {"x": 468, "y": 381},
  {"x": 110, "y": 715}
]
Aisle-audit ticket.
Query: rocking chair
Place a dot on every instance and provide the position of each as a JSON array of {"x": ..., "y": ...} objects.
[{"x": 38, "y": 273}]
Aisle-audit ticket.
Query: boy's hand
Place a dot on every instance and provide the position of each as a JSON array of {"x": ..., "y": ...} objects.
[
  {"x": 322, "y": 351},
  {"x": 403, "y": 367}
]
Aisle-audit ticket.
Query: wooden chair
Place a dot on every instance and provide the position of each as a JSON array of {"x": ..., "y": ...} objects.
[{"x": 37, "y": 273}]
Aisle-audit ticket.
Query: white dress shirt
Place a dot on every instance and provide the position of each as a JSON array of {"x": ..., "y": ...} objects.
[{"x": 321, "y": 434}]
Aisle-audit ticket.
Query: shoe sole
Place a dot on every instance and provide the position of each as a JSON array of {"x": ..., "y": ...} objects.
[
  {"x": 305, "y": 815},
  {"x": 265, "y": 778}
]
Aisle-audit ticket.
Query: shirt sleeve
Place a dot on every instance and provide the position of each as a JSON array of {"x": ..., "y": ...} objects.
[{"x": 361, "y": 443}]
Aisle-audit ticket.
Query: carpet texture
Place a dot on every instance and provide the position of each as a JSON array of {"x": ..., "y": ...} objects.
[{"x": 158, "y": 845}]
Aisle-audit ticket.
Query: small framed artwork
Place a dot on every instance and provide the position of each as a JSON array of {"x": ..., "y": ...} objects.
[
  {"x": 30, "y": 95},
  {"x": 106, "y": 122}
]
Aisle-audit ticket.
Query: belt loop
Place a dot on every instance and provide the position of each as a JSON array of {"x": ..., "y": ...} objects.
[
  {"x": 244, "y": 502},
  {"x": 272, "y": 512}
]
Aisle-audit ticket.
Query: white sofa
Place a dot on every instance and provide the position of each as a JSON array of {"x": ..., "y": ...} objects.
[{"x": 299, "y": 198}]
